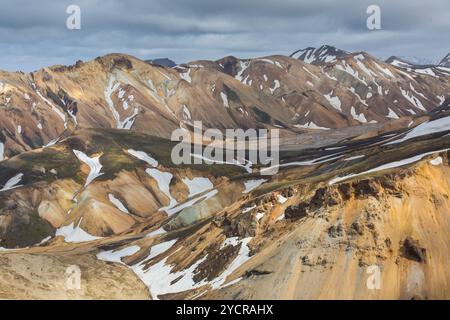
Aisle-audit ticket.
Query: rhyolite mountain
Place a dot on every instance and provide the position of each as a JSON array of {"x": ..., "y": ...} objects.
[
  {"x": 87, "y": 179},
  {"x": 120, "y": 91}
]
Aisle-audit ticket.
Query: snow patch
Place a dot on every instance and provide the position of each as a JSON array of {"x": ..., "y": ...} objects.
[
  {"x": 198, "y": 185},
  {"x": 359, "y": 117},
  {"x": 385, "y": 166},
  {"x": 281, "y": 199},
  {"x": 429, "y": 127},
  {"x": 12, "y": 183},
  {"x": 51, "y": 143},
  {"x": 354, "y": 158},
  {"x": 244, "y": 66},
  {"x": 160, "y": 279},
  {"x": 250, "y": 185},
  {"x": 412, "y": 99},
  {"x": 186, "y": 113},
  {"x": 117, "y": 255},
  {"x": 386, "y": 71},
  {"x": 275, "y": 87},
  {"x": 259, "y": 215},
  {"x": 141, "y": 155},
  {"x": 75, "y": 235},
  {"x": 334, "y": 101},
  {"x": 426, "y": 71},
  {"x": 119, "y": 205},
  {"x": 186, "y": 76},
  {"x": 160, "y": 248},
  {"x": 392, "y": 114},
  {"x": 156, "y": 232},
  {"x": 93, "y": 163},
  {"x": 224, "y": 100},
  {"x": 348, "y": 69},
  {"x": 128, "y": 122},
  {"x": 436, "y": 161},
  {"x": 248, "y": 209},
  {"x": 310, "y": 125},
  {"x": 163, "y": 180}
]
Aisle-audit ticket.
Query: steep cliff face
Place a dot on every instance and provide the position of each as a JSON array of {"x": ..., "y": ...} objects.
[{"x": 331, "y": 243}]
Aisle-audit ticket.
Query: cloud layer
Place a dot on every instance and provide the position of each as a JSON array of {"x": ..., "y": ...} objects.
[{"x": 33, "y": 34}]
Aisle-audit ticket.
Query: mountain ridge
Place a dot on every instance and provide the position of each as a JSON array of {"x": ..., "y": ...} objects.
[
  {"x": 120, "y": 91},
  {"x": 445, "y": 62}
]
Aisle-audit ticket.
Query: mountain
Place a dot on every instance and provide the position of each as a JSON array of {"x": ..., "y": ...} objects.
[
  {"x": 412, "y": 62},
  {"x": 164, "y": 62},
  {"x": 323, "y": 54},
  {"x": 120, "y": 91},
  {"x": 417, "y": 60},
  {"x": 430, "y": 69},
  {"x": 87, "y": 179},
  {"x": 353, "y": 89},
  {"x": 399, "y": 62},
  {"x": 446, "y": 61}
]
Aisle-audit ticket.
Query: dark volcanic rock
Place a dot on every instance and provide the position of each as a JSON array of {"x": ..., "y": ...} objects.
[
  {"x": 366, "y": 188},
  {"x": 287, "y": 193},
  {"x": 242, "y": 226},
  {"x": 335, "y": 231},
  {"x": 345, "y": 190},
  {"x": 215, "y": 263},
  {"x": 411, "y": 250},
  {"x": 164, "y": 62},
  {"x": 296, "y": 212},
  {"x": 325, "y": 197},
  {"x": 356, "y": 228},
  {"x": 255, "y": 272},
  {"x": 230, "y": 65},
  {"x": 123, "y": 62}
]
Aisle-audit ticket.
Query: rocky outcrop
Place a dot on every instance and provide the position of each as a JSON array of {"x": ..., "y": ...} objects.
[{"x": 412, "y": 250}]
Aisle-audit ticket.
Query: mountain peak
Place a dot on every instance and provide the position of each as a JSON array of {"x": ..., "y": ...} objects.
[{"x": 323, "y": 54}]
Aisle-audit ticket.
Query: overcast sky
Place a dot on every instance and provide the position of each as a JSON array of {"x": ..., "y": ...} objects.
[{"x": 33, "y": 34}]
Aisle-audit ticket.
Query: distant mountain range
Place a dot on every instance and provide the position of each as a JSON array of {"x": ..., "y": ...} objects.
[{"x": 418, "y": 60}]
